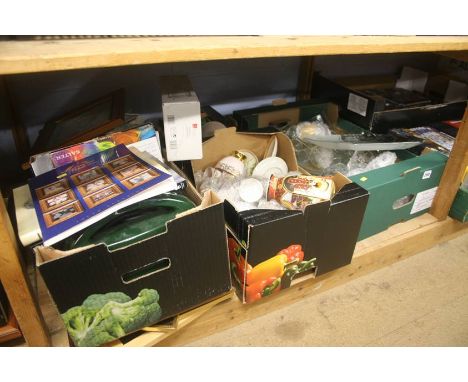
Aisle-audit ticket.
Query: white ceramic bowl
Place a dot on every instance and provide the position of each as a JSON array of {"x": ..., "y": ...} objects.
[{"x": 250, "y": 190}]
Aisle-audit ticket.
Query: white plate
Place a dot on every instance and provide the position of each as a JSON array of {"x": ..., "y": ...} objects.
[{"x": 270, "y": 166}]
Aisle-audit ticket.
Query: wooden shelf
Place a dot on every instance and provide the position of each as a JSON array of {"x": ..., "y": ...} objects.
[
  {"x": 10, "y": 331},
  {"x": 52, "y": 55},
  {"x": 395, "y": 244}
]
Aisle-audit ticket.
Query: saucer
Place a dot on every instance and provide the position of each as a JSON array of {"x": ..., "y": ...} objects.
[{"x": 270, "y": 166}]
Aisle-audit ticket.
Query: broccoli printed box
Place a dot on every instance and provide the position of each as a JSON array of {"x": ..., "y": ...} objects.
[
  {"x": 104, "y": 293},
  {"x": 268, "y": 249}
]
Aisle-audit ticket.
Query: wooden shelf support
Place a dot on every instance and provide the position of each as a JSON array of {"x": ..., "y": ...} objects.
[
  {"x": 454, "y": 169},
  {"x": 17, "y": 286},
  {"x": 304, "y": 82}
]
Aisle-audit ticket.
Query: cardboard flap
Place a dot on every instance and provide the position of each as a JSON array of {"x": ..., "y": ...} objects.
[
  {"x": 332, "y": 114},
  {"x": 46, "y": 254},
  {"x": 226, "y": 141},
  {"x": 275, "y": 117},
  {"x": 340, "y": 180},
  {"x": 286, "y": 151},
  {"x": 224, "y": 132}
]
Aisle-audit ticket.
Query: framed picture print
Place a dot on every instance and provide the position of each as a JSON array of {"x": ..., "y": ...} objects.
[
  {"x": 82, "y": 124},
  {"x": 118, "y": 163},
  {"x": 63, "y": 213},
  {"x": 95, "y": 185},
  {"x": 139, "y": 179},
  {"x": 102, "y": 196},
  {"x": 56, "y": 201},
  {"x": 129, "y": 171},
  {"x": 87, "y": 176},
  {"x": 52, "y": 189}
]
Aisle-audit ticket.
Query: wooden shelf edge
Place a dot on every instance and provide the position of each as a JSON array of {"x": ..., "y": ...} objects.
[
  {"x": 11, "y": 330},
  {"x": 52, "y": 55}
]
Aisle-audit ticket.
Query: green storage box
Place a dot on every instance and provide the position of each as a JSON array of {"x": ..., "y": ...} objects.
[
  {"x": 398, "y": 192},
  {"x": 401, "y": 191},
  {"x": 459, "y": 208}
]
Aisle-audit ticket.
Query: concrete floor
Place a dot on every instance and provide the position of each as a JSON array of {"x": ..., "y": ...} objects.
[{"x": 420, "y": 301}]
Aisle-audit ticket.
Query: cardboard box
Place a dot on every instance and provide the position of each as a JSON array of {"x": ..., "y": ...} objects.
[
  {"x": 373, "y": 112},
  {"x": 447, "y": 88},
  {"x": 182, "y": 121},
  {"x": 261, "y": 119},
  {"x": 412, "y": 180},
  {"x": 187, "y": 266},
  {"x": 326, "y": 231},
  {"x": 398, "y": 192},
  {"x": 401, "y": 191}
]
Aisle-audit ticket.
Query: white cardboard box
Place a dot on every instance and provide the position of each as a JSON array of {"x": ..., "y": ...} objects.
[{"x": 182, "y": 121}]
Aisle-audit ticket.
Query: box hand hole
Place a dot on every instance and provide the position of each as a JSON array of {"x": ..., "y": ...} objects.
[
  {"x": 410, "y": 170},
  {"x": 404, "y": 201},
  {"x": 147, "y": 270}
]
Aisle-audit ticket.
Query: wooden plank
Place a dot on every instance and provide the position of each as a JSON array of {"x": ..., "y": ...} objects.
[
  {"x": 304, "y": 82},
  {"x": 17, "y": 287},
  {"x": 415, "y": 238},
  {"x": 55, "y": 326},
  {"x": 453, "y": 172},
  {"x": 51, "y": 55},
  {"x": 153, "y": 336},
  {"x": 10, "y": 331}
]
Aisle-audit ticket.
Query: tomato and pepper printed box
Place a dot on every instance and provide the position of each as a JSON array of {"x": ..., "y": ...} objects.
[
  {"x": 104, "y": 293},
  {"x": 270, "y": 249}
]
